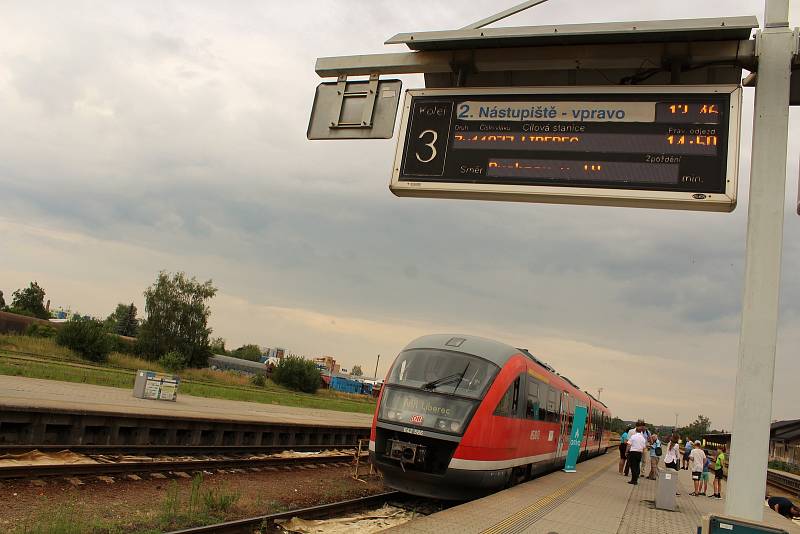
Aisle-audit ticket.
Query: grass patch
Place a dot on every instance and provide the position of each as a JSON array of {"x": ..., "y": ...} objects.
[
  {"x": 119, "y": 372},
  {"x": 66, "y": 373},
  {"x": 67, "y": 519},
  {"x": 37, "y": 345},
  {"x": 201, "y": 507}
]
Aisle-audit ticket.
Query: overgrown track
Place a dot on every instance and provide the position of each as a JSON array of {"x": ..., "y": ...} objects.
[
  {"x": 247, "y": 526},
  {"x": 181, "y": 465},
  {"x": 784, "y": 481},
  {"x": 186, "y": 450}
]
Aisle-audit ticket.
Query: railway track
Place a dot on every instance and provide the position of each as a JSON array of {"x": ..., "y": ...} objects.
[
  {"x": 186, "y": 450},
  {"x": 266, "y": 523},
  {"x": 120, "y": 466},
  {"x": 785, "y": 481}
]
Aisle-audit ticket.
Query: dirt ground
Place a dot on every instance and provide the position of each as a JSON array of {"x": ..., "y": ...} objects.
[{"x": 140, "y": 506}]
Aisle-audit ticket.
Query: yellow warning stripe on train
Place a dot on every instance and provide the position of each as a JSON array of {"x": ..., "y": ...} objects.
[{"x": 537, "y": 376}]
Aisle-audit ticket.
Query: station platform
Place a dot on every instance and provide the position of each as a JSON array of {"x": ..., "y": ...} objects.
[
  {"x": 33, "y": 393},
  {"x": 595, "y": 500}
]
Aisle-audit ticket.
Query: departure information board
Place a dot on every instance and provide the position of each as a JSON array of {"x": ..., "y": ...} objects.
[{"x": 671, "y": 147}]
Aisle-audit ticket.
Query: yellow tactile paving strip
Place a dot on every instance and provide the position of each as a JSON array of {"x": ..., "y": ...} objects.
[{"x": 529, "y": 514}]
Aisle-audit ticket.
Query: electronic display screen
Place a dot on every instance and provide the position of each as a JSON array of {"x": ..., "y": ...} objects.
[{"x": 639, "y": 141}]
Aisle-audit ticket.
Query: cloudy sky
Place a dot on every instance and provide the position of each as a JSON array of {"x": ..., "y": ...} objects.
[{"x": 142, "y": 136}]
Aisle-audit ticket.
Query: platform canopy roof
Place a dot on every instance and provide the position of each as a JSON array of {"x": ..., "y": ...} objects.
[{"x": 681, "y": 30}]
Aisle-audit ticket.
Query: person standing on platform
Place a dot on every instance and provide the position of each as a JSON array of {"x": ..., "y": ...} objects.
[
  {"x": 696, "y": 460},
  {"x": 719, "y": 472},
  {"x": 655, "y": 456},
  {"x": 687, "y": 450},
  {"x": 630, "y": 434},
  {"x": 673, "y": 457},
  {"x": 645, "y": 457},
  {"x": 623, "y": 445},
  {"x": 636, "y": 445},
  {"x": 704, "y": 477}
]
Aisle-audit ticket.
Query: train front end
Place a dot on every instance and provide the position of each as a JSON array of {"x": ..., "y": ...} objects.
[{"x": 428, "y": 401}]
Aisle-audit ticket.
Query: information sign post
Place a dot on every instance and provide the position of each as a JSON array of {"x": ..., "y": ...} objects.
[
  {"x": 575, "y": 439},
  {"x": 756, "y": 367}
]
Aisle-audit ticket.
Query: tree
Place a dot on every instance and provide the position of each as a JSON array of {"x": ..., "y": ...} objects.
[
  {"x": 217, "y": 346},
  {"x": 356, "y": 371},
  {"x": 618, "y": 425},
  {"x": 697, "y": 429},
  {"x": 30, "y": 301},
  {"x": 123, "y": 321},
  {"x": 173, "y": 361},
  {"x": 87, "y": 337},
  {"x": 2, "y": 302},
  {"x": 298, "y": 374},
  {"x": 177, "y": 318},
  {"x": 247, "y": 352}
]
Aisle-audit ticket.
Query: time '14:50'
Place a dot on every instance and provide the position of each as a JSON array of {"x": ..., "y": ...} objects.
[{"x": 710, "y": 140}]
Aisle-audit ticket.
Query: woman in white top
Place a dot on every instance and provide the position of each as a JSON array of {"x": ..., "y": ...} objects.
[{"x": 673, "y": 457}]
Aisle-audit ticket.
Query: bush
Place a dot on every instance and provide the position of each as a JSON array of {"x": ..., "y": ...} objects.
[
  {"x": 40, "y": 330},
  {"x": 121, "y": 344},
  {"x": 298, "y": 374},
  {"x": 259, "y": 380},
  {"x": 173, "y": 361},
  {"x": 87, "y": 337}
]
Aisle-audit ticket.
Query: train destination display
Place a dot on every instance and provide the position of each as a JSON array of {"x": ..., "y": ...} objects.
[{"x": 667, "y": 147}]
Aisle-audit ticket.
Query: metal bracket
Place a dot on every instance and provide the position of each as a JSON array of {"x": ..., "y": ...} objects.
[
  {"x": 368, "y": 94},
  {"x": 757, "y": 48}
]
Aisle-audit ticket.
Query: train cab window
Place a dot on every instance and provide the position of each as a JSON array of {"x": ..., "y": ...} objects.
[
  {"x": 509, "y": 403},
  {"x": 533, "y": 406}
]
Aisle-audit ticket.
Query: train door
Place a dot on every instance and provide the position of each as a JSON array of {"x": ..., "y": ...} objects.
[
  {"x": 587, "y": 430},
  {"x": 563, "y": 434}
]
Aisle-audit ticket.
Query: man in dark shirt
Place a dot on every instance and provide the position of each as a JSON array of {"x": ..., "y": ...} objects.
[{"x": 784, "y": 506}]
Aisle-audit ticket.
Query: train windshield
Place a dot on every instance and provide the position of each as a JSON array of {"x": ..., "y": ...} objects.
[
  {"x": 442, "y": 371},
  {"x": 426, "y": 410}
]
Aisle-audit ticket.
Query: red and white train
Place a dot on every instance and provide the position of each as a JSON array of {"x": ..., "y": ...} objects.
[{"x": 462, "y": 416}]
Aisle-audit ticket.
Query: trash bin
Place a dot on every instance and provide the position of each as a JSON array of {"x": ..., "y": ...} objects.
[{"x": 665, "y": 490}]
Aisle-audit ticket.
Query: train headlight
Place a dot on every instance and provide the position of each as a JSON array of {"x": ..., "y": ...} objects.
[
  {"x": 391, "y": 414},
  {"x": 455, "y": 426},
  {"x": 442, "y": 424}
]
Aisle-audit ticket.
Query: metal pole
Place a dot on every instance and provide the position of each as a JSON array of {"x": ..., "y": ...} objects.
[
  {"x": 376, "y": 366},
  {"x": 756, "y": 370},
  {"x": 503, "y": 14},
  {"x": 676, "y": 421}
]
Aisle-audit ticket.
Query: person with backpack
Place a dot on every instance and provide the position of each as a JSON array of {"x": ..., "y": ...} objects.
[{"x": 655, "y": 456}]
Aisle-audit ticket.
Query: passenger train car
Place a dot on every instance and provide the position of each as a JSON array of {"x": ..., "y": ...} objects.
[{"x": 462, "y": 416}]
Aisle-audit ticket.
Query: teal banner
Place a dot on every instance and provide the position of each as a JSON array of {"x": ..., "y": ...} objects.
[{"x": 575, "y": 438}]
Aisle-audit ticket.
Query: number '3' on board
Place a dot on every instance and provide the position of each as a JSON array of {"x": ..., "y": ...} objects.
[{"x": 431, "y": 145}]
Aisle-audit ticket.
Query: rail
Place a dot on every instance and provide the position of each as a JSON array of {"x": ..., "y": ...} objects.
[
  {"x": 246, "y": 526},
  {"x": 117, "y": 468}
]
